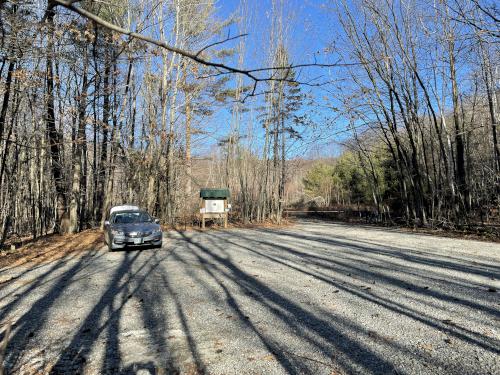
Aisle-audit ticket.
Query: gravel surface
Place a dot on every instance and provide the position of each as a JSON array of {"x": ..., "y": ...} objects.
[{"x": 315, "y": 298}]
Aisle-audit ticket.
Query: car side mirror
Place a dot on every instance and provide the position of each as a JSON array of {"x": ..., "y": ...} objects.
[
  {"x": 157, "y": 221},
  {"x": 106, "y": 223}
]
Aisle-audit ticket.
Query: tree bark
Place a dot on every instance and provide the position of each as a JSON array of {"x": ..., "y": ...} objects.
[
  {"x": 55, "y": 138},
  {"x": 188, "y": 146},
  {"x": 459, "y": 140},
  {"x": 106, "y": 109},
  {"x": 77, "y": 204}
]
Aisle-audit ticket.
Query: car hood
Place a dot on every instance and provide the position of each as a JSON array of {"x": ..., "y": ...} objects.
[{"x": 136, "y": 227}]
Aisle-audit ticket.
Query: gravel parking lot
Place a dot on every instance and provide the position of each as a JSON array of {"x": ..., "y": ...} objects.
[{"x": 315, "y": 298}]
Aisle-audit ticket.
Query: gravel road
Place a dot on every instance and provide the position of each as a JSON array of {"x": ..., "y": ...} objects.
[{"x": 314, "y": 298}]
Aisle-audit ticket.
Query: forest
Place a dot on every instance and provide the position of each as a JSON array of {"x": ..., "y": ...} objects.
[{"x": 389, "y": 105}]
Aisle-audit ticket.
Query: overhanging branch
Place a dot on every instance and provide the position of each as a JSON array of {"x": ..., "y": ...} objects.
[
  {"x": 68, "y": 4},
  {"x": 194, "y": 56}
]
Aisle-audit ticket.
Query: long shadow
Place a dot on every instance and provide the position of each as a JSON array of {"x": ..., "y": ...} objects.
[
  {"x": 459, "y": 332},
  {"x": 364, "y": 252},
  {"x": 370, "y": 253},
  {"x": 367, "y": 254},
  {"x": 401, "y": 253},
  {"x": 209, "y": 292},
  {"x": 105, "y": 306},
  {"x": 199, "y": 366},
  {"x": 76, "y": 353},
  {"x": 488, "y": 264},
  {"x": 388, "y": 229},
  {"x": 152, "y": 297},
  {"x": 407, "y": 250},
  {"x": 345, "y": 324},
  {"x": 318, "y": 330},
  {"x": 41, "y": 279},
  {"x": 231, "y": 302},
  {"x": 28, "y": 324},
  {"x": 290, "y": 365}
]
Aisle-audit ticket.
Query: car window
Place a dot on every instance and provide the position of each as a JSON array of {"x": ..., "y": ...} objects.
[{"x": 131, "y": 217}]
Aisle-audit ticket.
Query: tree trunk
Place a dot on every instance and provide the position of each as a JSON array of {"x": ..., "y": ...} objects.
[
  {"x": 459, "y": 141},
  {"x": 55, "y": 138},
  {"x": 489, "y": 79},
  {"x": 188, "y": 146},
  {"x": 77, "y": 198},
  {"x": 3, "y": 117},
  {"x": 281, "y": 191},
  {"x": 106, "y": 108}
]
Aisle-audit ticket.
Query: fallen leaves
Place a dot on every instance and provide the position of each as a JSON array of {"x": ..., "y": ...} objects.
[
  {"x": 426, "y": 347},
  {"x": 269, "y": 357},
  {"x": 53, "y": 247}
]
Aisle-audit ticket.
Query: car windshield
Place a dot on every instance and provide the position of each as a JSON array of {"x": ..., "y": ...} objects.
[{"x": 132, "y": 217}]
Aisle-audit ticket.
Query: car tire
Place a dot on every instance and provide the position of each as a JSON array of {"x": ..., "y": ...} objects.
[{"x": 159, "y": 246}]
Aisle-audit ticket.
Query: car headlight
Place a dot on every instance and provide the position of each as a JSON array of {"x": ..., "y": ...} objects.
[
  {"x": 117, "y": 232},
  {"x": 157, "y": 231}
]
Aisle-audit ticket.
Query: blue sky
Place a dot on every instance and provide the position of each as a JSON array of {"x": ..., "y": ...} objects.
[{"x": 309, "y": 29}]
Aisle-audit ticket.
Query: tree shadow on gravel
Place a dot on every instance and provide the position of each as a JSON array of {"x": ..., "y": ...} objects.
[
  {"x": 231, "y": 302},
  {"x": 417, "y": 257},
  {"x": 197, "y": 367},
  {"x": 156, "y": 291},
  {"x": 391, "y": 255},
  {"x": 104, "y": 319},
  {"x": 376, "y": 254},
  {"x": 25, "y": 328},
  {"x": 302, "y": 338},
  {"x": 39, "y": 280},
  {"x": 336, "y": 262},
  {"x": 324, "y": 334}
]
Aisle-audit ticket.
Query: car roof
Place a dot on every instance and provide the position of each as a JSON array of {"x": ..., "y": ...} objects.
[{"x": 125, "y": 207}]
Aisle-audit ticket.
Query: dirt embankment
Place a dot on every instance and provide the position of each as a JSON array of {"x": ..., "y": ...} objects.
[{"x": 52, "y": 247}]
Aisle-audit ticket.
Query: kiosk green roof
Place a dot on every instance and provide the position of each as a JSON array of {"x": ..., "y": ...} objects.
[{"x": 214, "y": 193}]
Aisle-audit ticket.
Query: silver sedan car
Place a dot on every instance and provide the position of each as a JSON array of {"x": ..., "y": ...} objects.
[{"x": 132, "y": 228}]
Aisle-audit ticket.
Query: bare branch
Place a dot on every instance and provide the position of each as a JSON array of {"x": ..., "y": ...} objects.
[
  {"x": 194, "y": 56},
  {"x": 190, "y": 55},
  {"x": 220, "y": 42}
]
